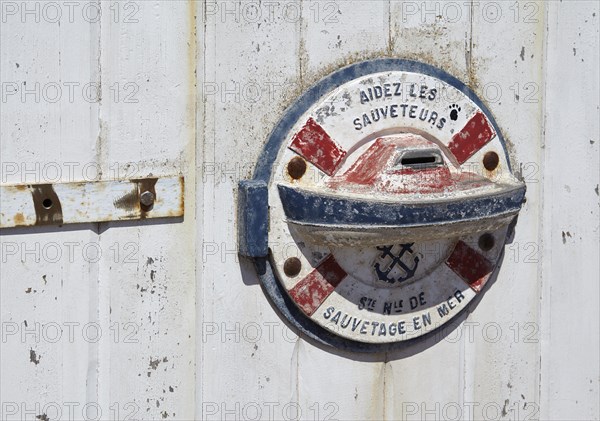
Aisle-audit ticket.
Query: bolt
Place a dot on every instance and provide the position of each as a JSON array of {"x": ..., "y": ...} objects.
[
  {"x": 147, "y": 198},
  {"x": 491, "y": 161},
  {"x": 292, "y": 266},
  {"x": 296, "y": 167}
]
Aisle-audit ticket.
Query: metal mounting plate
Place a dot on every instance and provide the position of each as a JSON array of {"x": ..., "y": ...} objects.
[{"x": 97, "y": 201}]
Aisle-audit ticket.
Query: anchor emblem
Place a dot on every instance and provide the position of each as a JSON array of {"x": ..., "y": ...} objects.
[{"x": 396, "y": 260}]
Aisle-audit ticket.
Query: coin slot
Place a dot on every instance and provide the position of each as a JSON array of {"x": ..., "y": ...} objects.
[{"x": 419, "y": 159}]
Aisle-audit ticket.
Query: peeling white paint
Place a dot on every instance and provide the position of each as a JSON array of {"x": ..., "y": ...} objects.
[{"x": 206, "y": 307}]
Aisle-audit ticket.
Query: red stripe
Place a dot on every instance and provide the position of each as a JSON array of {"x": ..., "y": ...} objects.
[
  {"x": 476, "y": 133},
  {"x": 471, "y": 266},
  {"x": 315, "y": 145},
  {"x": 311, "y": 291}
]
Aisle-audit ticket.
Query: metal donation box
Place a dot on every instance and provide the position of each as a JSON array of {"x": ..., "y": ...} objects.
[{"x": 380, "y": 205}]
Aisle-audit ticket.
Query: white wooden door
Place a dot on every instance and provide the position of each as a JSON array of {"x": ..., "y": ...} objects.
[{"x": 163, "y": 319}]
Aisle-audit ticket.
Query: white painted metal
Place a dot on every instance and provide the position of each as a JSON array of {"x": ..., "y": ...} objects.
[
  {"x": 186, "y": 331},
  {"x": 99, "y": 201}
]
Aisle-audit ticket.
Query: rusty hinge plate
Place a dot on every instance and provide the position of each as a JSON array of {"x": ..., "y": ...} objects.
[{"x": 98, "y": 201}]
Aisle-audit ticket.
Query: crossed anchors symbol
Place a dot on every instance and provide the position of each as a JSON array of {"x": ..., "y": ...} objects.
[{"x": 383, "y": 275}]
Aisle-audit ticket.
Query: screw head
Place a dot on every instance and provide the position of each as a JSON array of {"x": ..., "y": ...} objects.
[
  {"x": 296, "y": 167},
  {"x": 491, "y": 161},
  {"x": 147, "y": 198},
  {"x": 292, "y": 266}
]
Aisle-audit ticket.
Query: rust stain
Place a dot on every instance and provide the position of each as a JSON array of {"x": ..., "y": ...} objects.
[
  {"x": 491, "y": 160},
  {"x": 181, "y": 208},
  {"x": 19, "y": 219},
  {"x": 48, "y": 206},
  {"x": 491, "y": 165}
]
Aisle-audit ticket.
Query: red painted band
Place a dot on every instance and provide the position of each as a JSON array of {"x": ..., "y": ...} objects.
[
  {"x": 472, "y": 267},
  {"x": 314, "y": 144},
  {"x": 476, "y": 133},
  {"x": 311, "y": 291}
]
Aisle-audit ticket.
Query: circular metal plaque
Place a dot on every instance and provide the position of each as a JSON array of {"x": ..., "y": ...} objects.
[{"x": 390, "y": 195}]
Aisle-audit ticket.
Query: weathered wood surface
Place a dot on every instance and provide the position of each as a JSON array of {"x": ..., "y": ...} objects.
[{"x": 194, "y": 88}]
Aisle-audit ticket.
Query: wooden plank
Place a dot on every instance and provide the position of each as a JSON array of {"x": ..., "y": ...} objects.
[
  {"x": 248, "y": 75},
  {"x": 507, "y": 319},
  {"x": 354, "y": 386},
  {"x": 167, "y": 322},
  {"x": 438, "y": 34},
  {"x": 569, "y": 276},
  {"x": 337, "y": 33},
  {"x": 47, "y": 134},
  {"x": 435, "y": 32},
  {"x": 147, "y": 289}
]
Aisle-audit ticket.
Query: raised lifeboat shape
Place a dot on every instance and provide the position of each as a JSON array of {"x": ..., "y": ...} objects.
[{"x": 401, "y": 188}]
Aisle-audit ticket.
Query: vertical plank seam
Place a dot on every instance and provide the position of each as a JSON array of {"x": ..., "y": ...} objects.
[
  {"x": 103, "y": 279},
  {"x": 301, "y": 73},
  {"x": 200, "y": 210},
  {"x": 302, "y": 54},
  {"x": 391, "y": 37},
  {"x": 94, "y": 268},
  {"x": 384, "y": 393},
  {"x": 391, "y": 45},
  {"x": 463, "y": 353},
  {"x": 542, "y": 194},
  {"x": 469, "y": 52},
  {"x": 190, "y": 170}
]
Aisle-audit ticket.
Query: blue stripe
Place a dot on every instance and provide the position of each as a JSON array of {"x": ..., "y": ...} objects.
[
  {"x": 310, "y": 208},
  {"x": 253, "y": 210}
]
